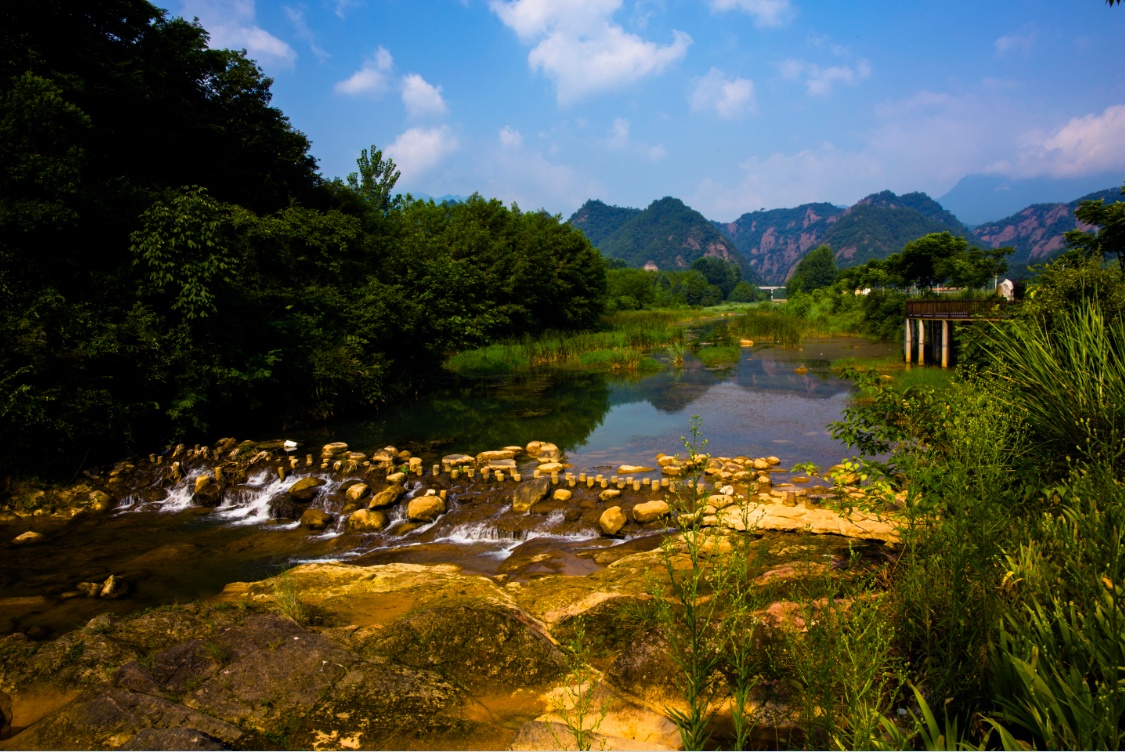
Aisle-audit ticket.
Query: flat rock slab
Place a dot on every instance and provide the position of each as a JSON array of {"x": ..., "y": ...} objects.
[{"x": 820, "y": 521}]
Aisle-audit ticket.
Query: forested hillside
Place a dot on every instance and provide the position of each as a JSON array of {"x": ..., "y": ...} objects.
[
  {"x": 172, "y": 263},
  {"x": 668, "y": 233}
]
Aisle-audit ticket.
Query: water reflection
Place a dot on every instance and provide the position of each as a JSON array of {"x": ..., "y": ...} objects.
[{"x": 757, "y": 405}]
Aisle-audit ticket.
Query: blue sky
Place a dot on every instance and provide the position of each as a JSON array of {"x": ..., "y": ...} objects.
[{"x": 731, "y": 105}]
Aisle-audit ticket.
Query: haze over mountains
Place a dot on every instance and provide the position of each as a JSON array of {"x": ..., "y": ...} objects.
[{"x": 768, "y": 244}]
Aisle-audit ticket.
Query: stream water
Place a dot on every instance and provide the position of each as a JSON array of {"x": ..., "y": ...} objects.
[{"x": 171, "y": 551}]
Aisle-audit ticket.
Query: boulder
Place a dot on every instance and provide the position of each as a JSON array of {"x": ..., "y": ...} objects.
[
  {"x": 395, "y": 478},
  {"x": 284, "y": 507},
  {"x": 533, "y": 448},
  {"x": 612, "y": 520},
  {"x": 551, "y": 467},
  {"x": 608, "y": 494},
  {"x": 358, "y": 492},
  {"x": 650, "y": 510},
  {"x": 631, "y": 469},
  {"x": 28, "y": 538},
  {"x": 202, "y": 481},
  {"x": 562, "y": 494},
  {"x": 773, "y": 461},
  {"x": 671, "y": 470},
  {"x": 425, "y": 508},
  {"x": 367, "y": 520},
  {"x": 415, "y": 464},
  {"x": 529, "y": 492},
  {"x": 387, "y": 497},
  {"x": 315, "y": 519},
  {"x": 720, "y": 501},
  {"x": 100, "y": 501},
  {"x": 383, "y": 457},
  {"x": 761, "y": 464},
  {"x": 456, "y": 460},
  {"x": 306, "y": 489},
  {"x": 548, "y": 453},
  {"x": 331, "y": 450},
  {"x": 499, "y": 454},
  {"x": 113, "y": 587},
  {"x": 505, "y": 466},
  {"x": 210, "y": 495},
  {"x": 666, "y": 459}
]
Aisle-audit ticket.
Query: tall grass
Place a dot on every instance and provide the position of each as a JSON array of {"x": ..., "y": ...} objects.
[
  {"x": 1060, "y": 669},
  {"x": 775, "y": 326},
  {"x": 632, "y": 335},
  {"x": 1068, "y": 383}
]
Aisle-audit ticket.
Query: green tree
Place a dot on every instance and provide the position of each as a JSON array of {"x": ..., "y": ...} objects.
[
  {"x": 1108, "y": 239},
  {"x": 374, "y": 180},
  {"x": 182, "y": 248},
  {"x": 718, "y": 272},
  {"x": 744, "y": 292},
  {"x": 816, "y": 270}
]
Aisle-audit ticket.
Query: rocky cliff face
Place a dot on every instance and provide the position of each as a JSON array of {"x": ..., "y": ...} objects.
[
  {"x": 774, "y": 241},
  {"x": 1037, "y": 232}
]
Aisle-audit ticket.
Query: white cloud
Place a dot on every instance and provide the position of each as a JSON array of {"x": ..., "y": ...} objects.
[
  {"x": 619, "y": 134},
  {"x": 579, "y": 47},
  {"x": 619, "y": 140},
  {"x": 923, "y": 142},
  {"x": 1083, "y": 146},
  {"x": 371, "y": 79},
  {"x": 418, "y": 150},
  {"x": 727, "y": 98},
  {"x": 304, "y": 32},
  {"x": 510, "y": 138},
  {"x": 232, "y": 25},
  {"x": 820, "y": 80},
  {"x": 531, "y": 180},
  {"x": 766, "y": 13},
  {"x": 340, "y": 7},
  {"x": 421, "y": 98},
  {"x": 1015, "y": 43}
]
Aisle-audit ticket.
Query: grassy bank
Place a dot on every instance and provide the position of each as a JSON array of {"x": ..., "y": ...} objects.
[{"x": 625, "y": 342}]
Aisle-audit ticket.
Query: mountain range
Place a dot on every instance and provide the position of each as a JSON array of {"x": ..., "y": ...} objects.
[{"x": 768, "y": 244}]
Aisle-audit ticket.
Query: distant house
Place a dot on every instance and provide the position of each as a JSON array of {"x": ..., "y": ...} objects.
[{"x": 651, "y": 267}]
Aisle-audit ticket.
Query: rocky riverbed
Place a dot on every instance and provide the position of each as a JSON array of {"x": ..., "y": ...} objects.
[{"x": 382, "y": 652}]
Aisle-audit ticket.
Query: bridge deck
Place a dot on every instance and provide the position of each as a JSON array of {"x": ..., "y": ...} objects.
[{"x": 955, "y": 309}]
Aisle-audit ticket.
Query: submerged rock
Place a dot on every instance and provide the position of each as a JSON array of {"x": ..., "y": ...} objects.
[{"x": 28, "y": 538}]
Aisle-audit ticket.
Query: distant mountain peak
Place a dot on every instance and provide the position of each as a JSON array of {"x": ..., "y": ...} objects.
[{"x": 668, "y": 234}]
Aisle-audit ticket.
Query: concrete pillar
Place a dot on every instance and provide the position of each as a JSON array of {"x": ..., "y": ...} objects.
[
  {"x": 945, "y": 343},
  {"x": 908, "y": 342},
  {"x": 921, "y": 342}
]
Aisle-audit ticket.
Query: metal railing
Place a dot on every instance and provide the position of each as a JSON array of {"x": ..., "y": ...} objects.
[{"x": 955, "y": 309}]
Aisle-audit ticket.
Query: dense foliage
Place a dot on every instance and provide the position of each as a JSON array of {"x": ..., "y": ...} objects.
[
  {"x": 816, "y": 270},
  {"x": 710, "y": 281},
  {"x": 171, "y": 262}
]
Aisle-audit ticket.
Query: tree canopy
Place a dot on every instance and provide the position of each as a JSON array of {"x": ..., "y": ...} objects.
[
  {"x": 816, "y": 270},
  {"x": 172, "y": 264}
]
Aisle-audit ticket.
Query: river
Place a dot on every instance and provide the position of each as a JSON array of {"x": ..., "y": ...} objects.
[{"x": 169, "y": 551}]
